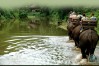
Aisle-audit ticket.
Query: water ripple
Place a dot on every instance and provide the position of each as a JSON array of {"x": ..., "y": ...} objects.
[{"x": 38, "y": 50}]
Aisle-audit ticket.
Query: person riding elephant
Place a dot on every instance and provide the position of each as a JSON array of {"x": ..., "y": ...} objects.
[
  {"x": 83, "y": 18},
  {"x": 79, "y": 16},
  {"x": 93, "y": 17}
]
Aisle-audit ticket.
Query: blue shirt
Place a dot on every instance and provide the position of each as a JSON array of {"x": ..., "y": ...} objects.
[{"x": 93, "y": 18}]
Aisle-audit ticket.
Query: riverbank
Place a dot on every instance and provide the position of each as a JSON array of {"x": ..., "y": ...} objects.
[{"x": 63, "y": 26}]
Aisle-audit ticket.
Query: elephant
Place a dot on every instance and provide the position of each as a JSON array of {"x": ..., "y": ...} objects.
[
  {"x": 87, "y": 43},
  {"x": 75, "y": 35},
  {"x": 71, "y": 25},
  {"x": 70, "y": 28}
]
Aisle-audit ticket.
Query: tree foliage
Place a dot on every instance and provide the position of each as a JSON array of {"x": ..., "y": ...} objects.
[{"x": 49, "y": 13}]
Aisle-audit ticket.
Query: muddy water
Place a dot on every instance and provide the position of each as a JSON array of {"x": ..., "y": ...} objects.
[{"x": 39, "y": 50}]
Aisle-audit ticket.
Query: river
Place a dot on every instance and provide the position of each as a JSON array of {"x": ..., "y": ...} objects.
[{"x": 54, "y": 48}]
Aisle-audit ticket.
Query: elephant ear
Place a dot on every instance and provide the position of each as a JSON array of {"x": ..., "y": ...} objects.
[{"x": 92, "y": 58}]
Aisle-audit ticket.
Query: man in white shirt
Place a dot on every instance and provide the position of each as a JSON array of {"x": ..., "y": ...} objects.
[
  {"x": 79, "y": 16},
  {"x": 84, "y": 17}
]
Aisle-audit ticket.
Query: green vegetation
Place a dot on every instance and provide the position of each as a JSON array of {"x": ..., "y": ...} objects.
[{"x": 23, "y": 15}]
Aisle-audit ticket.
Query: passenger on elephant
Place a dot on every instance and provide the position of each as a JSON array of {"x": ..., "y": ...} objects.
[
  {"x": 83, "y": 18},
  {"x": 79, "y": 16},
  {"x": 93, "y": 17}
]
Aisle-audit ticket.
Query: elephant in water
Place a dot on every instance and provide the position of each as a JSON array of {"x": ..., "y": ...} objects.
[
  {"x": 75, "y": 35},
  {"x": 87, "y": 43},
  {"x": 71, "y": 25},
  {"x": 70, "y": 28}
]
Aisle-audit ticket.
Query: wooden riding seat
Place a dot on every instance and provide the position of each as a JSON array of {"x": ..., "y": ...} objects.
[{"x": 89, "y": 24}]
